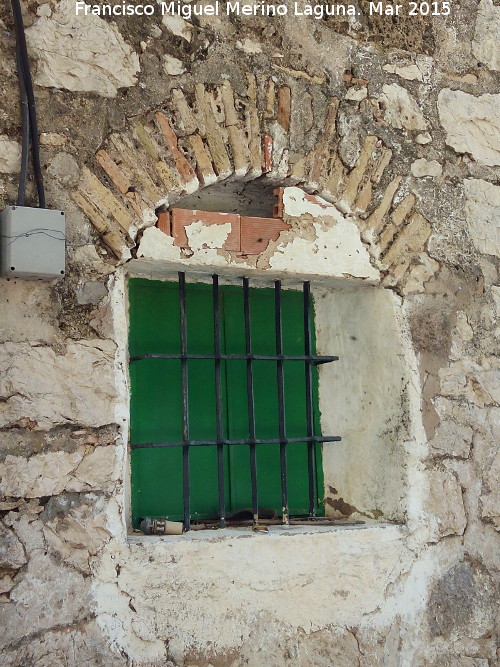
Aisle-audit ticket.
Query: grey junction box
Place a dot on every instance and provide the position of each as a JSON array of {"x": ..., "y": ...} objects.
[{"x": 32, "y": 243}]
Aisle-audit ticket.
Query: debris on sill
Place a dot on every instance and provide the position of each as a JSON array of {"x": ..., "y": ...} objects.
[{"x": 151, "y": 526}]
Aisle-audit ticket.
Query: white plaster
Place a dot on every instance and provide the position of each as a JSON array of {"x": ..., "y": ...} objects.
[
  {"x": 292, "y": 578},
  {"x": 297, "y": 203},
  {"x": 336, "y": 251},
  {"x": 205, "y": 237},
  {"x": 260, "y": 587},
  {"x": 337, "y": 248},
  {"x": 364, "y": 397}
]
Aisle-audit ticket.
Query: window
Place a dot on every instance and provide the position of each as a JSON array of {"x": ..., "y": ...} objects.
[{"x": 224, "y": 400}]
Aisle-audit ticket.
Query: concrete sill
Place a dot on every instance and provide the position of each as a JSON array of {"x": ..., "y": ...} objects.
[{"x": 247, "y": 532}]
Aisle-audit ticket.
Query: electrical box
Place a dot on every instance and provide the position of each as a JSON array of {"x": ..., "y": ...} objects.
[{"x": 32, "y": 243}]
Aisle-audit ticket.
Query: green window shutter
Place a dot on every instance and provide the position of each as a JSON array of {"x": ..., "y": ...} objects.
[{"x": 156, "y": 401}]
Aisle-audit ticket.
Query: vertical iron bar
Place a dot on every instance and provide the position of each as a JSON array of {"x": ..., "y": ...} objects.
[
  {"x": 281, "y": 399},
  {"x": 185, "y": 403},
  {"x": 250, "y": 402},
  {"x": 218, "y": 399},
  {"x": 311, "y": 461}
]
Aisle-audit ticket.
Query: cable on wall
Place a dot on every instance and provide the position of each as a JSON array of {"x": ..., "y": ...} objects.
[{"x": 28, "y": 113}]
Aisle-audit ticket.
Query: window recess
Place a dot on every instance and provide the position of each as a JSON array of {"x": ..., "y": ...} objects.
[{"x": 224, "y": 394}]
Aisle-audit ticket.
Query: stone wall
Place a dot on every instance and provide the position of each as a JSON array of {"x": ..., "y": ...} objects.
[{"x": 383, "y": 141}]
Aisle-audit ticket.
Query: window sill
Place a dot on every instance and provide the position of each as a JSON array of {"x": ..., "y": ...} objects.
[{"x": 223, "y": 534}]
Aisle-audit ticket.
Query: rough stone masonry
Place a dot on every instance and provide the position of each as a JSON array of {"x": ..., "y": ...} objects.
[{"x": 382, "y": 137}]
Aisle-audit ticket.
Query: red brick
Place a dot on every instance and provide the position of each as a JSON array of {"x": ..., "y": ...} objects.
[
  {"x": 267, "y": 146},
  {"x": 181, "y": 218},
  {"x": 185, "y": 170},
  {"x": 284, "y": 107},
  {"x": 317, "y": 201},
  {"x": 256, "y": 233},
  {"x": 278, "y": 207},
  {"x": 163, "y": 223}
]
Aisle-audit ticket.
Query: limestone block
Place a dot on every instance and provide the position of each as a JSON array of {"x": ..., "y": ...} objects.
[
  {"x": 445, "y": 504},
  {"x": 490, "y": 499},
  {"x": 411, "y": 71},
  {"x": 65, "y": 169},
  {"x": 51, "y": 473},
  {"x": 401, "y": 109},
  {"x": 482, "y": 210},
  {"x": 80, "y": 533},
  {"x": 98, "y": 471},
  {"x": 12, "y": 554},
  {"x": 92, "y": 291},
  {"x": 55, "y": 388},
  {"x": 423, "y": 138},
  {"x": 10, "y": 155},
  {"x": 452, "y": 439},
  {"x": 83, "y": 645},
  {"x": 419, "y": 274},
  {"x": 478, "y": 383},
  {"x": 28, "y": 529},
  {"x": 42, "y": 475},
  {"x": 472, "y": 124},
  {"x": 249, "y": 46},
  {"x": 423, "y": 167},
  {"x": 486, "y": 43},
  {"x": 177, "y": 26},
  {"x": 461, "y": 605},
  {"x": 81, "y": 53},
  {"x": 357, "y": 94},
  {"x": 173, "y": 66},
  {"x": 33, "y": 317},
  {"x": 49, "y": 595},
  {"x": 52, "y": 139},
  {"x": 6, "y": 583}
]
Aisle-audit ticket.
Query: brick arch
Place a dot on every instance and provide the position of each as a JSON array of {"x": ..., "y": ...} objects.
[{"x": 215, "y": 135}]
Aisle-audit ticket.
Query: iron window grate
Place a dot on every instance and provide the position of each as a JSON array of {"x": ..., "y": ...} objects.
[{"x": 252, "y": 442}]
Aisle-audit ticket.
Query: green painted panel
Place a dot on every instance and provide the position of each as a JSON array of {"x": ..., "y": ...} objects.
[{"x": 156, "y": 410}]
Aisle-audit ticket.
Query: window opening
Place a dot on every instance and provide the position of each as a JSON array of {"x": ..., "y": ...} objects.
[{"x": 204, "y": 361}]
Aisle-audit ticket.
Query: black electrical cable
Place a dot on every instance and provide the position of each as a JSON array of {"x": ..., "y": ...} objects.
[
  {"x": 24, "y": 73},
  {"x": 25, "y": 114}
]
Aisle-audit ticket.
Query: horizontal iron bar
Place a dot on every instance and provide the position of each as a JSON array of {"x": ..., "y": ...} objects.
[
  {"x": 316, "y": 359},
  {"x": 269, "y": 441}
]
